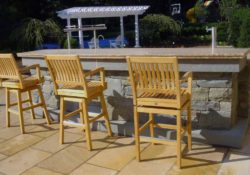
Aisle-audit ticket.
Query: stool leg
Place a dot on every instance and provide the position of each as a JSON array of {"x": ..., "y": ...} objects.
[
  {"x": 44, "y": 105},
  {"x": 189, "y": 127},
  {"x": 105, "y": 112},
  {"x": 178, "y": 146},
  {"x": 87, "y": 124},
  {"x": 20, "y": 110},
  {"x": 7, "y": 107},
  {"x": 31, "y": 104},
  {"x": 81, "y": 115},
  {"x": 151, "y": 126},
  {"x": 137, "y": 134},
  {"x": 61, "y": 140}
]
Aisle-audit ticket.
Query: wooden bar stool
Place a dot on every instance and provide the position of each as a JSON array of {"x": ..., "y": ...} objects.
[
  {"x": 71, "y": 84},
  {"x": 156, "y": 90},
  {"x": 13, "y": 81}
]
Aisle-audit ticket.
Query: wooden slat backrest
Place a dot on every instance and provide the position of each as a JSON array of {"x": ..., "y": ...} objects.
[
  {"x": 65, "y": 70},
  {"x": 154, "y": 74},
  {"x": 9, "y": 69}
]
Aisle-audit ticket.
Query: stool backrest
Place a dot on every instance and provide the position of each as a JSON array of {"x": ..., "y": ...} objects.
[
  {"x": 9, "y": 69},
  {"x": 65, "y": 70},
  {"x": 153, "y": 74}
]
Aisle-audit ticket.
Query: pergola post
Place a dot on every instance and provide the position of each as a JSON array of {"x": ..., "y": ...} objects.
[
  {"x": 80, "y": 33},
  {"x": 122, "y": 31},
  {"x": 69, "y": 35},
  {"x": 137, "y": 42},
  {"x": 68, "y": 25}
]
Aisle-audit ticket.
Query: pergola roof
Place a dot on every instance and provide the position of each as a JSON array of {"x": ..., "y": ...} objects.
[{"x": 101, "y": 12}]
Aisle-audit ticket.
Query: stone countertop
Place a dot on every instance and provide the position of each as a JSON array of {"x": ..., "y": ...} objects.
[
  {"x": 121, "y": 53},
  {"x": 199, "y": 59}
]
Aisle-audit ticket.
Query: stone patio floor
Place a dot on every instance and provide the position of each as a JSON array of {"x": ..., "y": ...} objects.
[{"x": 39, "y": 152}]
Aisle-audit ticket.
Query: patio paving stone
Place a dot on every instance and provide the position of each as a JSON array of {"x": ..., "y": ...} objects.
[
  {"x": 91, "y": 169},
  {"x": 195, "y": 170},
  {"x": 7, "y": 133},
  {"x": 67, "y": 160},
  {"x": 206, "y": 153},
  {"x": 117, "y": 154},
  {"x": 39, "y": 171},
  {"x": 203, "y": 159},
  {"x": 2, "y": 156},
  {"x": 235, "y": 164},
  {"x": 22, "y": 161},
  {"x": 18, "y": 143},
  {"x": 44, "y": 130},
  {"x": 51, "y": 143},
  {"x": 1, "y": 140},
  {"x": 100, "y": 140},
  {"x": 156, "y": 159}
]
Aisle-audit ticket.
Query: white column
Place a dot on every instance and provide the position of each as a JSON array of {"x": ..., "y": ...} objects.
[
  {"x": 122, "y": 31},
  {"x": 69, "y": 34},
  {"x": 94, "y": 31},
  {"x": 80, "y": 33},
  {"x": 68, "y": 25},
  {"x": 137, "y": 42}
]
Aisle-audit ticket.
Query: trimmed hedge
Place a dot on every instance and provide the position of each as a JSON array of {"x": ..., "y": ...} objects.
[{"x": 156, "y": 29}]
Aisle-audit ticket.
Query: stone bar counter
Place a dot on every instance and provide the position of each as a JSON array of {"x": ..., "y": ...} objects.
[{"x": 217, "y": 115}]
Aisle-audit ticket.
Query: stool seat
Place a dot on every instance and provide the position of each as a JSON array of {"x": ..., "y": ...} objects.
[
  {"x": 27, "y": 82},
  {"x": 93, "y": 87},
  {"x": 164, "y": 98}
]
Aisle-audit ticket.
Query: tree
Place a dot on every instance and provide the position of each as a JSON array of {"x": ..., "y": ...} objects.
[{"x": 31, "y": 32}]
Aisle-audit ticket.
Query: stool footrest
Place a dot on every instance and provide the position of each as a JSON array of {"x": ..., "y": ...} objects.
[
  {"x": 14, "y": 104},
  {"x": 13, "y": 111},
  {"x": 156, "y": 140},
  {"x": 74, "y": 124},
  {"x": 96, "y": 118},
  {"x": 33, "y": 106}
]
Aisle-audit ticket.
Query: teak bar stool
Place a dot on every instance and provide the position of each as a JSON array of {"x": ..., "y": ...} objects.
[
  {"x": 71, "y": 84},
  {"x": 156, "y": 90},
  {"x": 12, "y": 80}
]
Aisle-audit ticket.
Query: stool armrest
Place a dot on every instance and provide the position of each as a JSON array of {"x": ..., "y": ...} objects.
[
  {"x": 100, "y": 71},
  {"x": 187, "y": 77},
  {"x": 38, "y": 71}
]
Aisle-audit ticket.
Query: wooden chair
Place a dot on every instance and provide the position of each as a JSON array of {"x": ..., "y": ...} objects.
[
  {"x": 156, "y": 90},
  {"x": 13, "y": 81},
  {"x": 71, "y": 84}
]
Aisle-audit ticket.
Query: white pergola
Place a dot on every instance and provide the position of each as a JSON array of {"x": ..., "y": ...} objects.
[{"x": 103, "y": 12}]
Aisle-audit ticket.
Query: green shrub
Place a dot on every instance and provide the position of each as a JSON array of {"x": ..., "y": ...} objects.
[
  {"x": 244, "y": 39},
  {"x": 222, "y": 33},
  {"x": 156, "y": 29},
  {"x": 193, "y": 29},
  {"x": 236, "y": 30},
  {"x": 73, "y": 43}
]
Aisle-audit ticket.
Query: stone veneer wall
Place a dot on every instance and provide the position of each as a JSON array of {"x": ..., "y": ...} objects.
[{"x": 212, "y": 105}]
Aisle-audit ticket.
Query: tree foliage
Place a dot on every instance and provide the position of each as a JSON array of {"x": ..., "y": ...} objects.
[{"x": 31, "y": 32}]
